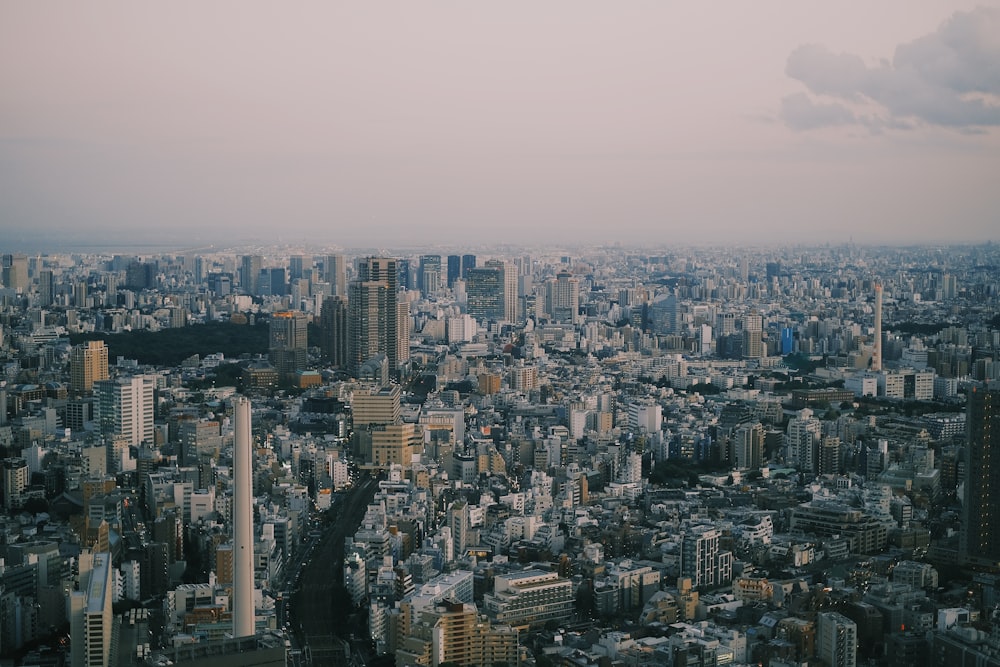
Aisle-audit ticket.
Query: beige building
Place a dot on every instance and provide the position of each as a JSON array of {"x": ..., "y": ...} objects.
[
  {"x": 395, "y": 443},
  {"x": 453, "y": 631},
  {"x": 88, "y": 363}
]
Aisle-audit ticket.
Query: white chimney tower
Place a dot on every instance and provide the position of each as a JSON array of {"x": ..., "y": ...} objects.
[{"x": 243, "y": 604}]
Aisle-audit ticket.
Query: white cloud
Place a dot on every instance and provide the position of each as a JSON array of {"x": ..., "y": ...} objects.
[{"x": 949, "y": 78}]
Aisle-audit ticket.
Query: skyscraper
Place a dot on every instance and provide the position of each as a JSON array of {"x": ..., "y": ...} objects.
[
  {"x": 296, "y": 267},
  {"x": 250, "y": 266},
  {"x": 334, "y": 330},
  {"x": 484, "y": 293},
  {"x": 980, "y": 536},
  {"x": 88, "y": 363},
  {"x": 287, "y": 352},
  {"x": 46, "y": 288},
  {"x": 454, "y": 269},
  {"x": 374, "y": 313},
  {"x": 335, "y": 267},
  {"x": 430, "y": 274},
  {"x": 468, "y": 262},
  {"x": 509, "y": 277}
]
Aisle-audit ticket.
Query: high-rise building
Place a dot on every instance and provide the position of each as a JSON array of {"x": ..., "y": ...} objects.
[
  {"x": 296, "y": 267},
  {"x": 563, "y": 298},
  {"x": 88, "y": 363},
  {"x": 92, "y": 635},
  {"x": 334, "y": 330},
  {"x": 980, "y": 535},
  {"x": 484, "y": 293},
  {"x": 289, "y": 343},
  {"x": 430, "y": 274},
  {"x": 46, "y": 288},
  {"x": 468, "y": 262},
  {"x": 836, "y": 639},
  {"x": 125, "y": 408},
  {"x": 753, "y": 341},
  {"x": 15, "y": 272},
  {"x": 335, "y": 267},
  {"x": 748, "y": 443},
  {"x": 701, "y": 558},
  {"x": 802, "y": 440},
  {"x": 250, "y": 267},
  {"x": 510, "y": 301},
  {"x": 454, "y": 269},
  {"x": 374, "y": 314}
]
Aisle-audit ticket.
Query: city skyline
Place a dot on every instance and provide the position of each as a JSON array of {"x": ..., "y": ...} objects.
[{"x": 511, "y": 123}]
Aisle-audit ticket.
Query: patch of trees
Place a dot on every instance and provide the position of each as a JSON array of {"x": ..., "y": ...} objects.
[
  {"x": 919, "y": 328},
  {"x": 169, "y": 347}
]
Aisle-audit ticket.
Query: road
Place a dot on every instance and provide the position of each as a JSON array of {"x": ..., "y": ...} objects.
[{"x": 312, "y": 602}]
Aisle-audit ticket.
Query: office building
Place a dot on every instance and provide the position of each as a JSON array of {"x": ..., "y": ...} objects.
[
  {"x": 980, "y": 535},
  {"x": 468, "y": 262},
  {"x": 334, "y": 330},
  {"x": 376, "y": 406},
  {"x": 430, "y": 274},
  {"x": 395, "y": 444},
  {"x": 125, "y": 408},
  {"x": 296, "y": 267},
  {"x": 88, "y": 363},
  {"x": 454, "y": 269},
  {"x": 250, "y": 268},
  {"x": 484, "y": 293},
  {"x": 529, "y": 599},
  {"x": 289, "y": 343}
]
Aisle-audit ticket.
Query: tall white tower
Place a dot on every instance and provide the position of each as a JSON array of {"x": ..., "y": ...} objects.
[
  {"x": 877, "y": 354},
  {"x": 243, "y": 605}
]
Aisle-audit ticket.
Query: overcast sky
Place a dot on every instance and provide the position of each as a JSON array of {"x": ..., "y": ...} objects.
[{"x": 374, "y": 123}]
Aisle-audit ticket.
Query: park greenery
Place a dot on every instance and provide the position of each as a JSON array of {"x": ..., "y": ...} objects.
[{"x": 169, "y": 347}]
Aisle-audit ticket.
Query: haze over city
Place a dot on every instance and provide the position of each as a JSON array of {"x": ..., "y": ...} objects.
[{"x": 360, "y": 124}]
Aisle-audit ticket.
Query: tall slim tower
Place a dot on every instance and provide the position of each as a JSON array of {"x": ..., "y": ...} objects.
[
  {"x": 877, "y": 353},
  {"x": 979, "y": 542},
  {"x": 243, "y": 605},
  {"x": 336, "y": 274}
]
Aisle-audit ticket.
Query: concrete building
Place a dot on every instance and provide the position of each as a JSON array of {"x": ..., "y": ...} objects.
[{"x": 529, "y": 599}]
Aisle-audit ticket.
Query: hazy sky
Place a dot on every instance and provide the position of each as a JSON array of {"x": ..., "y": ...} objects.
[{"x": 374, "y": 123}]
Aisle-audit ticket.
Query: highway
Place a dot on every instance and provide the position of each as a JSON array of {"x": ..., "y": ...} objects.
[{"x": 313, "y": 600}]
